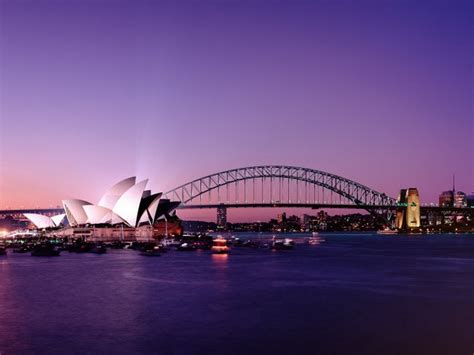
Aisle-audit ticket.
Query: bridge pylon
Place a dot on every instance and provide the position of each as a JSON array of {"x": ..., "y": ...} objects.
[{"x": 222, "y": 216}]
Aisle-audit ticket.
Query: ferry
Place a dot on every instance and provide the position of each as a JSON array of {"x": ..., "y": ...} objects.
[
  {"x": 186, "y": 247},
  {"x": 154, "y": 250},
  {"x": 387, "y": 231},
  {"x": 282, "y": 244},
  {"x": 219, "y": 246},
  {"x": 170, "y": 242}
]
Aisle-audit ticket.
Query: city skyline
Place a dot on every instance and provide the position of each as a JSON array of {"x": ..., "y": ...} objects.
[{"x": 175, "y": 91}]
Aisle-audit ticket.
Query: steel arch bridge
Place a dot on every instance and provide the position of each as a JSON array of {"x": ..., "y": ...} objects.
[{"x": 278, "y": 186}]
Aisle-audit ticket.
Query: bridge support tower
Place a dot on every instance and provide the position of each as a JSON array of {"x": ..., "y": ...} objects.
[
  {"x": 408, "y": 210},
  {"x": 222, "y": 216}
]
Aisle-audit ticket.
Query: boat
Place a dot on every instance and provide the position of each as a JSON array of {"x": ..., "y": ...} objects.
[
  {"x": 22, "y": 249},
  {"x": 387, "y": 231},
  {"x": 3, "y": 250},
  {"x": 44, "y": 250},
  {"x": 98, "y": 249},
  {"x": 152, "y": 250},
  {"x": 170, "y": 242},
  {"x": 186, "y": 247},
  {"x": 250, "y": 244},
  {"x": 116, "y": 245},
  {"x": 80, "y": 247},
  {"x": 219, "y": 246},
  {"x": 282, "y": 244}
]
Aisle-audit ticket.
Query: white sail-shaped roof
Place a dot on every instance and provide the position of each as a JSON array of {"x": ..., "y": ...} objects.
[
  {"x": 128, "y": 204},
  {"x": 39, "y": 220},
  {"x": 75, "y": 212},
  {"x": 112, "y": 195},
  {"x": 145, "y": 218},
  {"x": 152, "y": 209},
  {"x": 97, "y": 214},
  {"x": 143, "y": 212},
  {"x": 116, "y": 219},
  {"x": 58, "y": 219}
]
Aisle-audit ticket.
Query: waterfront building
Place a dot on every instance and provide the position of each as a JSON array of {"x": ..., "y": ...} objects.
[{"x": 125, "y": 209}]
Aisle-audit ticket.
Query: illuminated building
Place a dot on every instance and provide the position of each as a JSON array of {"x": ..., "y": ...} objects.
[
  {"x": 453, "y": 198},
  {"x": 125, "y": 209},
  {"x": 446, "y": 199},
  {"x": 460, "y": 199}
]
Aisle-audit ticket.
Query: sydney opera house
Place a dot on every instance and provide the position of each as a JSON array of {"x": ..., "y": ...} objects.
[{"x": 127, "y": 211}]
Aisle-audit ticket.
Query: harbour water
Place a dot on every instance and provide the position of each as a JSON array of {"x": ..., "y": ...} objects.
[{"x": 351, "y": 294}]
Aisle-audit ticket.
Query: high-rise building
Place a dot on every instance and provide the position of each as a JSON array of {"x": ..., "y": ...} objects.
[
  {"x": 281, "y": 218},
  {"x": 453, "y": 198},
  {"x": 460, "y": 199},
  {"x": 446, "y": 199}
]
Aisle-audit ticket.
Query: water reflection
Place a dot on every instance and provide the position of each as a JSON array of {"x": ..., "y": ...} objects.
[
  {"x": 122, "y": 302},
  {"x": 11, "y": 310},
  {"x": 221, "y": 263},
  {"x": 220, "y": 260}
]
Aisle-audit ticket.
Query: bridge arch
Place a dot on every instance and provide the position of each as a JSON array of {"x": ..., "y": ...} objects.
[{"x": 354, "y": 192}]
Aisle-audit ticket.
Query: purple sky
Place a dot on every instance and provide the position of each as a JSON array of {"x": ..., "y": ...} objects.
[{"x": 380, "y": 92}]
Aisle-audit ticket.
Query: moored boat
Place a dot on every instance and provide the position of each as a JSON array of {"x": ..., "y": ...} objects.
[
  {"x": 22, "y": 249},
  {"x": 98, "y": 249},
  {"x": 155, "y": 251},
  {"x": 387, "y": 231},
  {"x": 80, "y": 247},
  {"x": 152, "y": 249},
  {"x": 282, "y": 244},
  {"x": 186, "y": 247},
  {"x": 44, "y": 250}
]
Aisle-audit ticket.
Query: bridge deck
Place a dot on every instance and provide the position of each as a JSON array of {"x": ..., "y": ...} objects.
[{"x": 261, "y": 205}]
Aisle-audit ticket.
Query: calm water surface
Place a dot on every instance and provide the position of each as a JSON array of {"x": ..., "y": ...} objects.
[{"x": 352, "y": 294}]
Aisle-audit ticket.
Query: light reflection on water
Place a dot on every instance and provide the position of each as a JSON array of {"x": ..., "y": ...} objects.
[{"x": 220, "y": 260}]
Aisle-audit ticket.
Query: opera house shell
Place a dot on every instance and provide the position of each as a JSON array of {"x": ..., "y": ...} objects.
[
  {"x": 126, "y": 203},
  {"x": 42, "y": 222}
]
